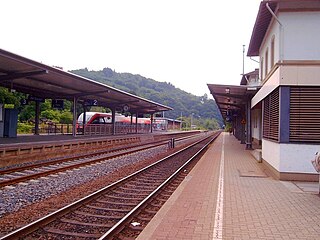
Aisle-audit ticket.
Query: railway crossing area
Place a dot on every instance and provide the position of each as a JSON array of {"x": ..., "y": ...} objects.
[{"x": 229, "y": 195}]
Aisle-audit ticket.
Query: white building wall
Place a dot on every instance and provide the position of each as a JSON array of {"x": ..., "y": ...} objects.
[
  {"x": 271, "y": 153},
  {"x": 273, "y": 32},
  {"x": 294, "y": 75},
  {"x": 289, "y": 158},
  {"x": 297, "y": 39},
  {"x": 301, "y": 35}
]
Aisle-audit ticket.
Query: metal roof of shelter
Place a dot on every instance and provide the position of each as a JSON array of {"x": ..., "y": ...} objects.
[
  {"x": 230, "y": 97},
  {"x": 27, "y": 76}
]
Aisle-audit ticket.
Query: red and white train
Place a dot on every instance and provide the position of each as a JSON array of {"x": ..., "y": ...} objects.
[{"x": 97, "y": 120}]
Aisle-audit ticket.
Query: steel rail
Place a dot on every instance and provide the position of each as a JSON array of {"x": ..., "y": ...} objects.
[
  {"x": 73, "y": 166},
  {"x": 77, "y": 165},
  {"x": 62, "y": 160},
  {"x": 115, "y": 229},
  {"x": 53, "y": 216}
]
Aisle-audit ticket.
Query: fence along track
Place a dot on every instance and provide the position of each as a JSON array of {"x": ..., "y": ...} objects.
[{"x": 104, "y": 212}]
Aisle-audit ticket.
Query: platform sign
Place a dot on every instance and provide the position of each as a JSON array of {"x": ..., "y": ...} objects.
[
  {"x": 91, "y": 102},
  {"x": 126, "y": 108},
  {"x": 57, "y": 104},
  {"x": 8, "y": 106},
  {"x": 24, "y": 102},
  {"x": 229, "y": 119},
  {"x": 36, "y": 99}
]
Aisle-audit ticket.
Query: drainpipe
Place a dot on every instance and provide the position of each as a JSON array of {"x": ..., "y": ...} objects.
[{"x": 280, "y": 33}]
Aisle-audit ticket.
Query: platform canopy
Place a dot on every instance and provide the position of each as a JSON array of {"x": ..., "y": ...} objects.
[
  {"x": 39, "y": 80},
  {"x": 230, "y": 98}
]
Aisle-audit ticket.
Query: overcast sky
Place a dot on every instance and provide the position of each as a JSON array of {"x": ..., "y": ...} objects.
[{"x": 188, "y": 43}]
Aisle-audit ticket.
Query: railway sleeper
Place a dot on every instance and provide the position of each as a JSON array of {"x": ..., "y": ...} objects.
[
  {"x": 137, "y": 228},
  {"x": 149, "y": 180},
  {"x": 136, "y": 193},
  {"x": 108, "y": 209},
  {"x": 119, "y": 202},
  {"x": 139, "y": 187},
  {"x": 150, "y": 211},
  {"x": 71, "y": 221},
  {"x": 156, "y": 204},
  {"x": 111, "y": 217},
  {"x": 162, "y": 198},
  {"x": 72, "y": 234},
  {"x": 145, "y": 218},
  {"x": 166, "y": 193},
  {"x": 133, "y": 198}
]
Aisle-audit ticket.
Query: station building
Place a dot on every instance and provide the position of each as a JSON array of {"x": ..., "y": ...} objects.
[{"x": 283, "y": 114}]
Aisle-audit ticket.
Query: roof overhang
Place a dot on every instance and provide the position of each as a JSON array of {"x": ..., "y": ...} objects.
[
  {"x": 246, "y": 78},
  {"x": 27, "y": 76},
  {"x": 264, "y": 18},
  {"x": 232, "y": 98},
  {"x": 260, "y": 28}
]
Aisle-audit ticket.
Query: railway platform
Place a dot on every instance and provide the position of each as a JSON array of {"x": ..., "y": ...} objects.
[
  {"x": 229, "y": 195},
  {"x": 26, "y": 148}
]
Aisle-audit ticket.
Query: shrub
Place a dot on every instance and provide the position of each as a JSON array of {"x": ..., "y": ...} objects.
[{"x": 24, "y": 128}]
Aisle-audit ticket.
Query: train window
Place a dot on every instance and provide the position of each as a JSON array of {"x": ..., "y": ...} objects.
[
  {"x": 99, "y": 120},
  {"x": 107, "y": 120},
  {"x": 95, "y": 121}
]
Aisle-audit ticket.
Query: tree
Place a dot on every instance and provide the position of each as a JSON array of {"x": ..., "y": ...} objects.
[
  {"x": 66, "y": 117},
  {"x": 51, "y": 114}
]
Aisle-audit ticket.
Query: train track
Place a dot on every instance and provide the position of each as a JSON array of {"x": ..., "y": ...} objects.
[
  {"x": 103, "y": 214},
  {"x": 34, "y": 171}
]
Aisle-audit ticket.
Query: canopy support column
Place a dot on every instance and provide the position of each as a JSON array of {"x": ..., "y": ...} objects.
[
  {"x": 151, "y": 123},
  {"x": 74, "y": 122},
  {"x": 243, "y": 130},
  {"x": 136, "y": 122},
  {"x": 84, "y": 118},
  {"x": 248, "y": 122},
  {"x": 113, "y": 121},
  {"x": 37, "y": 116}
]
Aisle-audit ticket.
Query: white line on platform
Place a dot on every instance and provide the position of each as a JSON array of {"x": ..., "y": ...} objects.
[{"x": 218, "y": 218}]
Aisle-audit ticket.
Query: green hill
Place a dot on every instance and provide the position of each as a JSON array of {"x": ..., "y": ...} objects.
[{"x": 183, "y": 103}]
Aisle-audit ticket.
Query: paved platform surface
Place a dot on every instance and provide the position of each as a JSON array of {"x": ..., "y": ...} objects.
[
  {"x": 227, "y": 195},
  {"x": 45, "y": 138}
]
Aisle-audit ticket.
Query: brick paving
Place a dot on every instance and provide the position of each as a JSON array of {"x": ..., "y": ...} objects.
[{"x": 255, "y": 206}]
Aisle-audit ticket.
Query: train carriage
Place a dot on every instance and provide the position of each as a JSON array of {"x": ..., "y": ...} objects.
[{"x": 101, "y": 123}]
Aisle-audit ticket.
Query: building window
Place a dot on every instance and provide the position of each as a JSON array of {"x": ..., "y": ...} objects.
[
  {"x": 304, "y": 114},
  {"x": 272, "y": 52},
  {"x": 271, "y": 116},
  {"x": 266, "y": 61}
]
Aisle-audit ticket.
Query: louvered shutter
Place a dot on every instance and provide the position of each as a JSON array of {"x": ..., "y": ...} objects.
[
  {"x": 304, "y": 114},
  {"x": 271, "y": 116}
]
